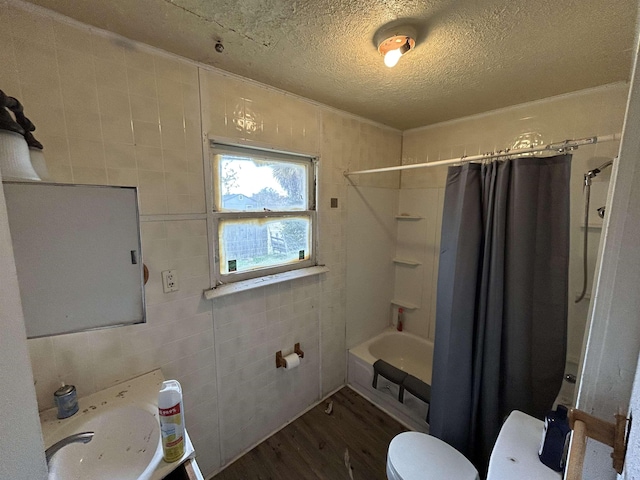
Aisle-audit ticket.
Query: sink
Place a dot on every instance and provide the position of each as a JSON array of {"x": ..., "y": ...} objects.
[
  {"x": 126, "y": 442},
  {"x": 126, "y": 445}
]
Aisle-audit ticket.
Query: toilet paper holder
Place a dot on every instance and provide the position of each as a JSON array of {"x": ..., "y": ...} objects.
[
  {"x": 280, "y": 359},
  {"x": 612, "y": 434}
]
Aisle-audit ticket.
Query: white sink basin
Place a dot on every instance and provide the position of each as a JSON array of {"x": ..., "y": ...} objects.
[
  {"x": 126, "y": 442},
  {"x": 126, "y": 445}
]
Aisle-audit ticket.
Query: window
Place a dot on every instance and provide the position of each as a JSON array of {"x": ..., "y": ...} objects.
[{"x": 263, "y": 212}]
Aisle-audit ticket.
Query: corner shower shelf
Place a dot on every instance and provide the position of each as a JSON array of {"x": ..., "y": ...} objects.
[
  {"x": 409, "y": 217},
  {"x": 403, "y": 304},
  {"x": 406, "y": 261},
  {"x": 592, "y": 225}
]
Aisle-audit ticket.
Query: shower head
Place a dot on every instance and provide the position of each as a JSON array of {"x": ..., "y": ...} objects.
[
  {"x": 593, "y": 173},
  {"x": 596, "y": 171}
]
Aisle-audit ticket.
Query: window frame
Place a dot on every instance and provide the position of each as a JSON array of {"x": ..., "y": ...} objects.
[{"x": 214, "y": 216}]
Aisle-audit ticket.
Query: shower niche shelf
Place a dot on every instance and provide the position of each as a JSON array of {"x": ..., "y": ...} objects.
[
  {"x": 403, "y": 304},
  {"x": 592, "y": 226},
  {"x": 406, "y": 261},
  {"x": 408, "y": 217}
]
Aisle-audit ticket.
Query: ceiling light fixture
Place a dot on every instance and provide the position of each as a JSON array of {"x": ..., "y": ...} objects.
[
  {"x": 394, "y": 43},
  {"x": 19, "y": 150}
]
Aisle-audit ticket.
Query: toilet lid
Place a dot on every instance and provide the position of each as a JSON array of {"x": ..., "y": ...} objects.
[{"x": 418, "y": 456}]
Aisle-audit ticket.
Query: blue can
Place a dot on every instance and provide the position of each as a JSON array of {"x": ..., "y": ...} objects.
[
  {"x": 66, "y": 400},
  {"x": 555, "y": 439}
]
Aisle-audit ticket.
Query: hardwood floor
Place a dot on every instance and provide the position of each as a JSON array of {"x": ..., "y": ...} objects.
[{"x": 349, "y": 444}]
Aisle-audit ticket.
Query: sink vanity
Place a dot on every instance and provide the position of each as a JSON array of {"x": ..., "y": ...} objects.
[{"x": 126, "y": 442}]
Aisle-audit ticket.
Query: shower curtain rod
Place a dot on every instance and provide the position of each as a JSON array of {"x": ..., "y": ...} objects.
[{"x": 559, "y": 147}]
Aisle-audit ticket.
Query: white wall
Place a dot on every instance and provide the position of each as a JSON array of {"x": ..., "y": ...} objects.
[
  {"x": 113, "y": 111},
  {"x": 597, "y": 111},
  {"x": 613, "y": 336},
  {"x": 371, "y": 239},
  {"x": 21, "y": 440},
  {"x": 419, "y": 240},
  {"x": 632, "y": 462}
]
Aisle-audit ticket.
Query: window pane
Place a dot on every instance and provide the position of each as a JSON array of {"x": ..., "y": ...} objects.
[
  {"x": 253, "y": 184},
  {"x": 251, "y": 244}
]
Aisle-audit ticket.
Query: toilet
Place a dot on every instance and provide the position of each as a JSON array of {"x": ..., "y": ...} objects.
[
  {"x": 414, "y": 455},
  {"x": 418, "y": 456}
]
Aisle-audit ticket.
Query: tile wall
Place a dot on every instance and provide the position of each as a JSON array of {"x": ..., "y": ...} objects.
[
  {"x": 594, "y": 112},
  {"x": 112, "y": 111}
]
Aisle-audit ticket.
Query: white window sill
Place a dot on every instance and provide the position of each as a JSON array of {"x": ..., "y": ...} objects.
[{"x": 244, "y": 285}]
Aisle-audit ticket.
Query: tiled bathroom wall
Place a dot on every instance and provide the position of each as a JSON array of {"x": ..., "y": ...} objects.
[
  {"x": 112, "y": 111},
  {"x": 594, "y": 112},
  {"x": 253, "y": 325},
  {"x": 108, "y": 112}
]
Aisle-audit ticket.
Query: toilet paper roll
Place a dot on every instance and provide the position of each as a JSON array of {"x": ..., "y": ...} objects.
[{"x": 291, "y": 361}]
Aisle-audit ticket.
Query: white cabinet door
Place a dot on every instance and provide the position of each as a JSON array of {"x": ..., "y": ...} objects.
[{"x": 78, "y": 256}]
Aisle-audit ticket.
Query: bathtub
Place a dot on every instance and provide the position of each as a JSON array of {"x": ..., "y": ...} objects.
[
  {"x": 414, "y": 355},
  {"x": 403, "y": 350}
]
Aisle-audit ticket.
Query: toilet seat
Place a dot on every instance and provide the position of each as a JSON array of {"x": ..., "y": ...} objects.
[{"x": 418, "y": 456}]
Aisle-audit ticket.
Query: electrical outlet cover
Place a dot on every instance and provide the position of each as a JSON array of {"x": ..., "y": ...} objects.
[{"x": 170, "y": 281}]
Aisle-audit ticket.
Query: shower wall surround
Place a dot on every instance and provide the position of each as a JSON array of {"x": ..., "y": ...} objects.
[
  {"x": 371, "y": 243},
  {"x": 597, "y": 111},
  {"x": 113, "y": 111}
]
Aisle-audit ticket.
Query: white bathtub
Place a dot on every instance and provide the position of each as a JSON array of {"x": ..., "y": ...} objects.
[{"x": 403, "y": 350}]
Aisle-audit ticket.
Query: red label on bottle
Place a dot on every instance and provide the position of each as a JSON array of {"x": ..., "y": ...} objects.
[
  {"x": 174, "y": 443},
  {"x": 167, "y": 412}
]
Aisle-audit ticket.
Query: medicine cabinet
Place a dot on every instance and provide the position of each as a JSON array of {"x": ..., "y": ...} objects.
[{"x": 78, "y": 256}]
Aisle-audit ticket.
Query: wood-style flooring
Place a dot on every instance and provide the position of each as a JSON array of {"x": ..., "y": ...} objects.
[{"x": 351, "y": 444}]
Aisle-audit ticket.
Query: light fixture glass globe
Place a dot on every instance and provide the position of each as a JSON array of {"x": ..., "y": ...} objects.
[
  {"x": 38, "y": 163},
  {"x": 14, "y": 157},
  {"x": 391, "y": 57}
]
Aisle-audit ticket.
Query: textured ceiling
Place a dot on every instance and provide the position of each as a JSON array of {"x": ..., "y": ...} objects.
[{"x": 471, "y": 55}]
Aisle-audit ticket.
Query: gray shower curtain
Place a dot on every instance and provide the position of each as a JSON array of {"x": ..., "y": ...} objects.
[{"x": 501, "y": 314}]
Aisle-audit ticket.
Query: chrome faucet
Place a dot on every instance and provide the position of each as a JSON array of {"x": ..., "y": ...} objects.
[{"x": 84, "y": 437}]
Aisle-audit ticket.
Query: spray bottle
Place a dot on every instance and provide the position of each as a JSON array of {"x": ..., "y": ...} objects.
[
  {"x": 400, "y": 322},
  {"x": 171, "y": 420}
]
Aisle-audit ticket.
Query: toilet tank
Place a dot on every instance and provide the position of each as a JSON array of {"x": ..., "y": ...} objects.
[{"x": 515, "y": 454}]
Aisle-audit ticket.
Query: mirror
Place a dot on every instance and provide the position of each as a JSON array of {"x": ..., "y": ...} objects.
[{"x": 78, "y": 256}]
